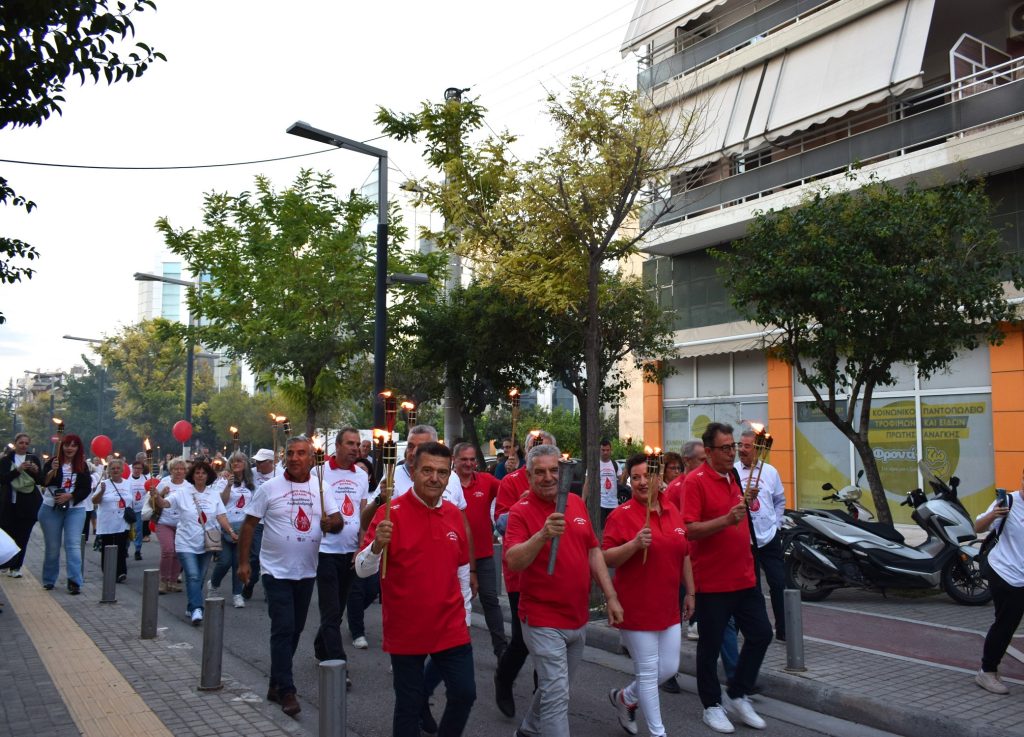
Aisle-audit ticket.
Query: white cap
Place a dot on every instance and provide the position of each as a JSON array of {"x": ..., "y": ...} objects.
[{"x": 263, "y": 454}]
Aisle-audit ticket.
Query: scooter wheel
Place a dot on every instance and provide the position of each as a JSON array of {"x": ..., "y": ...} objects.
[
  {"x": 808, "y": 580},
  {"x": 962, "y": 580}
]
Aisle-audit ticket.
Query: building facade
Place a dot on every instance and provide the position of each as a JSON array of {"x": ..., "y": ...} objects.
[{"x": 787, "y": 96}]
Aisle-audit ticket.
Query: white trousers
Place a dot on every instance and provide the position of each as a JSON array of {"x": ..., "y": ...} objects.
[{"x": 655, "y": 659}]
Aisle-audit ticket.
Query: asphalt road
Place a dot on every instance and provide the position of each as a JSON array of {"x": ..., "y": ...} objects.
[{"x": 370, "y": 703}]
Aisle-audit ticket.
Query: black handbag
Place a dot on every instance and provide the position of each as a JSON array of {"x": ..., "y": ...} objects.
[{"x": 129, "y": 510}]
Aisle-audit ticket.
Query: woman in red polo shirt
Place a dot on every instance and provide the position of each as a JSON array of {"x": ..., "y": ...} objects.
[{"x": 649, "y": 592}]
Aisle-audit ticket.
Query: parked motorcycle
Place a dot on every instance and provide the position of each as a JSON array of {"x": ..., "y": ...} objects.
[
  {"x": 849, "y": 496},
  {"x": 829, "y": 549}
]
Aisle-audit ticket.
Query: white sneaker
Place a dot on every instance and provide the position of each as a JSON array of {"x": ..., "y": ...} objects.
[
  {"x": 360, "y": 643},
  {"x": 991, "y": 683},
  {"x": 625, "y": 712},
  {"x": 197, "y": 617},
  {"x": 15, "y": 573},
  {"x": 211, "y": 588},
  {"x": 238, "y": 601},
  {"x": 691, "y": 632},
  {"x": 740, "y": 708},
  {"x": 714, "y": 717}
]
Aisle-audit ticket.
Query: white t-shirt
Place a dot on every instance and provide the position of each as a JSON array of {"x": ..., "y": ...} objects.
[
  {"x": 290, "y": 512},
  {"x": 17, "y": 461},
  {"x": 196, "y": 510},
  {"x": 1007, "y": 557},
  {"x": 609, "y": 485},
  {"x": 260, "y": 478},
  {"x": 110, "y": 509},
  {"x": 68, "y": 479},
  {"x": 138, "y": 488},
  {"x": 769, "y": 506},
  {"x": 239, "y": 500},
  {"x": 452, "y": 493},
  {"x": 350, "y": 487},
  {"x": 169, "y": 516}
]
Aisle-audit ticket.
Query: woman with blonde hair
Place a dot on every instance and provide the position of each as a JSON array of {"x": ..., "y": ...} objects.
[{"x": 112, "y": 498}]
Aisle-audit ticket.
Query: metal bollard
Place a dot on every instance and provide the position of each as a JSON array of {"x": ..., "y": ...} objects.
[
  {"x": 500, "y": 588},
  {"x": 150, "y": 596},
  {"x": 109, "y": 575},
  {"x": 213, "y": 644},
  {"x": 794, "y": 632},
  {"x": 333, "y": 711},
  {"x": 83, "y": 557}
]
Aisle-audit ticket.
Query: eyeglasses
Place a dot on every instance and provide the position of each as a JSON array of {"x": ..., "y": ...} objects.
[
  {"x": 727, "y": 448},
  {"x": 673, "y": 467}
]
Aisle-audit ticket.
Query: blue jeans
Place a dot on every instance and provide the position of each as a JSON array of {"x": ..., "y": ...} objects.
[
  {"x": 360, "y": 596},
  {"x": 141, "y": 529},
  {"x": 227, "y": 560},
  {"x": 456, "y": 668},
  {"x": 194, "y": 565},
  {"x": 287, "y": 605},
  {"x": 62, "y": 528}
]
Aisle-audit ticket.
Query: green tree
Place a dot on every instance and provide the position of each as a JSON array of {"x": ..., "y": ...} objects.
[
  {"x": 485, "y": 343},
  {"x": 288, "y": 283},
  {"x": 46, "y": 42},
  {"x": 89, "y": 407},
  {"x": 855, "y": 281},
  {"x": 146, "y": 365},
  {"x": 36, "y": 418}
]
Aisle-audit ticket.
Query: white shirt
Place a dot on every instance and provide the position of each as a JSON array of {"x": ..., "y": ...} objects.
[
  {"x": 769, "y": 506},
  {"x": 1007, "y": 557},
  {"x": 350, "y": 486},
  {"x": 261, "y": 478},
  {"x": 138, "y": 489},
  {"x": 403, "y": 483},
  {"x": 110, "y": 509},
  {"x": 609, "y": 485},
  {"x": 170, "y": 515},
  {"x": 196, "y": 510},
  {"x": 290, "y": 512},
  {"x": 68, "y": 479},
  {"x": 239, "y": 501}
]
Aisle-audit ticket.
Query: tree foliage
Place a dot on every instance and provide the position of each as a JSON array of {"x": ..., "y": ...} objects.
[
  {"x": 288, "y": 283},
  {"x": 43, "y": 43},
  {"x": 88, "y": 407},
  {"x": 146, "y": 365},
  {"x": 854, "y": 282}
]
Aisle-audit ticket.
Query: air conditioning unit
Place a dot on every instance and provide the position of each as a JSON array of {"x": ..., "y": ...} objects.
[{"x": 1016, "y": 29}]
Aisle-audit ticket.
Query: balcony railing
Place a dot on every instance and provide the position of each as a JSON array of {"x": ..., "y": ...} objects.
[{"x": 925, "y": 119}]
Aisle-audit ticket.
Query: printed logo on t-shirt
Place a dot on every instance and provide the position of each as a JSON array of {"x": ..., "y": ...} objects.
[
  {"x": 301, "y": 520},
  {"x": 138, "y": 496},
  {"x": 755, "y": 504},
  {"x": 478, "y": 494},
  {"x": 453, "y": 536},
  {"x": 679, "y": 531},
  {"x": 607, "y": 483},
  {"x": 579, "y": 521},
  {"x": 241, "y": 502},
  {"x": 347, "y": 508}
]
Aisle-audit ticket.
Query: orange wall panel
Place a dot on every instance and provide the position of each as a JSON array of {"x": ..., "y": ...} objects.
[{"x": 780, "y": 423}]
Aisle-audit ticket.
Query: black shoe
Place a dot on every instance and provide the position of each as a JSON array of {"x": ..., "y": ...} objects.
[
  {"x": 122, "y": 578},
  {"x": 48, "y": 586},
  {"x": 290, "y": 704},
  {"x": 73, "y": 588},
  {"x": 138, "y": 555},
  {"x": 427, "y": 723},
  {"x": 247, "y": 590},
  {"x": 504, "y": 698},
  {"x": 273, "y": 695},
  {"x": 780, "y": 636},
  {"x": 671, "y": 686}
]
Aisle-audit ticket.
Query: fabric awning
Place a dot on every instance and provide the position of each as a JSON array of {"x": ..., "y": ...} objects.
[
  {"x": 653, "y": 16},
  {"x": 718, "y": 346},
  {"x": 874, "y": 57},
  {"x": 723, "y": 113}
]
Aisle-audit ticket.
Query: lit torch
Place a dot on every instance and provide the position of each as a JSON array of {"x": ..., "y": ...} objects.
[
  {"x": 318, "y": 454},
  {"x": 762, "y": 448},
  {"x": 390, "y": 458},
  {"x": 60, "y": 433},
  {"x": 410, "y": 415},
  {"x": 234, "y": 437},
  {"x": 148, "y": 447},
  {"x": 653, "y": 482},
  {"x": 515, "y": 397}
]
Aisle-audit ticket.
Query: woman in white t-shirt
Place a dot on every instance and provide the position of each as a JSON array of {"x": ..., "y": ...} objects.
[
  {"x": 1005, "y": 576},
  {"x": 236, "y": 495},
  {"x": 199, "y": 508},
  {"x": 166, "y": 525},
  {"x": 113, "y": 495}
]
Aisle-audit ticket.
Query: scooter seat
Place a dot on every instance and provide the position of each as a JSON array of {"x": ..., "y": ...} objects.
[{"x": 884, "y": 531}]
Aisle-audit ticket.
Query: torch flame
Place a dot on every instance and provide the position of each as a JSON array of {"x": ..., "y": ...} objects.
[
  {"x": 379, "y": 433},
  {"x": 657, "y": 451},
  {"x": 386, "y": 394},
  {"x": 407, "y": 405},
  {"x": 318, "y": 443},
  {"x": 146, "y": 445},
  {"x": 58, "y": 421},
  {"x": 565, "y": 456},
  {"x": 513, "y": 392},
  {"x": 233, "y": 430},
  {"x": 648, "y": 450},
  {"x": 757, "y": 427}
]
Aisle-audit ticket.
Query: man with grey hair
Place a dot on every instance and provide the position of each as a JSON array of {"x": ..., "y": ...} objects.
[
  {"x": 511, "y": 489},
  {"x": 554, "y": 610}
]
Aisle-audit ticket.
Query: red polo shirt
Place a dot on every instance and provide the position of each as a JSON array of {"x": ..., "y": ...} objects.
[
  {"x": 649, "y": 592},
  {"x": 481, "y": 491},
  {"x": 723, "y": 561},
  {"x": 561, "y": 600},
  {"x": 420, "y": 594},
  {"x": 673, "y": 493},
  {"x": 510, "y": 490}
]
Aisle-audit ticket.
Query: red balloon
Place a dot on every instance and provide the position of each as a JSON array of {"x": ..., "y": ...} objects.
[
  {"x": 182, "y": 431},
  {"x": 151, "y": 484},
  {"x": 101, "y": 446}
]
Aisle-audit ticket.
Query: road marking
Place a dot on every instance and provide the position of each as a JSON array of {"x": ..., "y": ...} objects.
[
  {"x": 905, "y": 658},
  {"x": 99, "y": 699}
]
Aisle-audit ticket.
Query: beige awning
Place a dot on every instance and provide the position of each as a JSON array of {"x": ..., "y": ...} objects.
[
  {"x": 723, "y": 113},
  {"x": 653, "y": 16},
  {"x": 876, "y": 56},
  {"x": 718, "y": 346}
]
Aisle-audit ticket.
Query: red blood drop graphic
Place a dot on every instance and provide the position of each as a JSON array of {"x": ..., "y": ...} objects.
[
  {"x": 755, "y": 504},
  {"x": 607, "y": 483},
  {"x": 202, "y": 517},
  {"x": 240, "y": 503},
  {"x": 302, "y": 521},
  {"x": 138, "y": 496},
  {"x": 347, "y": 508},
  {"x": 120, "y": 504}
]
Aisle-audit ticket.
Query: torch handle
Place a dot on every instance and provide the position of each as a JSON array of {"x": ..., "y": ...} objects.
[{"x": 561, "y": 500}]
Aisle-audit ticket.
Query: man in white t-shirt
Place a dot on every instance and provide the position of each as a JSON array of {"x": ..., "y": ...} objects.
[
  {"x": 608, "y": 472},
  {"x": 349, "y": 485},
  {"x": 294, "y": 517}
]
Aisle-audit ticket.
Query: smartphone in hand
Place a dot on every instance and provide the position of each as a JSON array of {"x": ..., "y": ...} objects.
[{"x": 1001, "y": 498}]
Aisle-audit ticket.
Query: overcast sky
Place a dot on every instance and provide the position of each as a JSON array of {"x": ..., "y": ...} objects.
[{"x": 238, "y": 74}]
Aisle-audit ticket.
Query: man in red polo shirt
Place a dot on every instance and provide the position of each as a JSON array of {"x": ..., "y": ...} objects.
[
  {"x": 554, "y": 609},
  {"x": 421, "y": 596},
  {"x": 480, "y": 490},
  {"x": 511, "y": 489},
  {"x": 723, "y": 572}
]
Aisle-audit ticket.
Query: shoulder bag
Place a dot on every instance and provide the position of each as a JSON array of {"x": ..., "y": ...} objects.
[{"x": 992, "y": 539}]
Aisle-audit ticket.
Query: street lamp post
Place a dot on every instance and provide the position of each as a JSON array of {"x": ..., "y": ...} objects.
[
  {"x": 190, "y": 360},
  {"x": 380, "y": 323}
]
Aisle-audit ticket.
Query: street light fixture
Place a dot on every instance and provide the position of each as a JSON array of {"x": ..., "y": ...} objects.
[{"x": 380, "y": 331}]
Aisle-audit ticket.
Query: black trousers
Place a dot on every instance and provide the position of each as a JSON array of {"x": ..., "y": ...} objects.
[
  {"x": 770, "y": 561},
  {"x": 19, "y": 517},
  {"x": 120, "y": 539},
  {"x": 511, "y": 661},
  {"x": 334, "y": 574},
  {"x": 713, "y": 613},
  {"x": 1008, "y": 603}
]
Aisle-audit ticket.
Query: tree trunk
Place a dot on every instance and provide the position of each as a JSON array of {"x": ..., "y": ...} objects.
[
  {"x": 867, "y": 458},
  {"x": 471, "y": 435},
  {"x": 310, "y": 408},
  {"x": 590, "y": 423}
]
